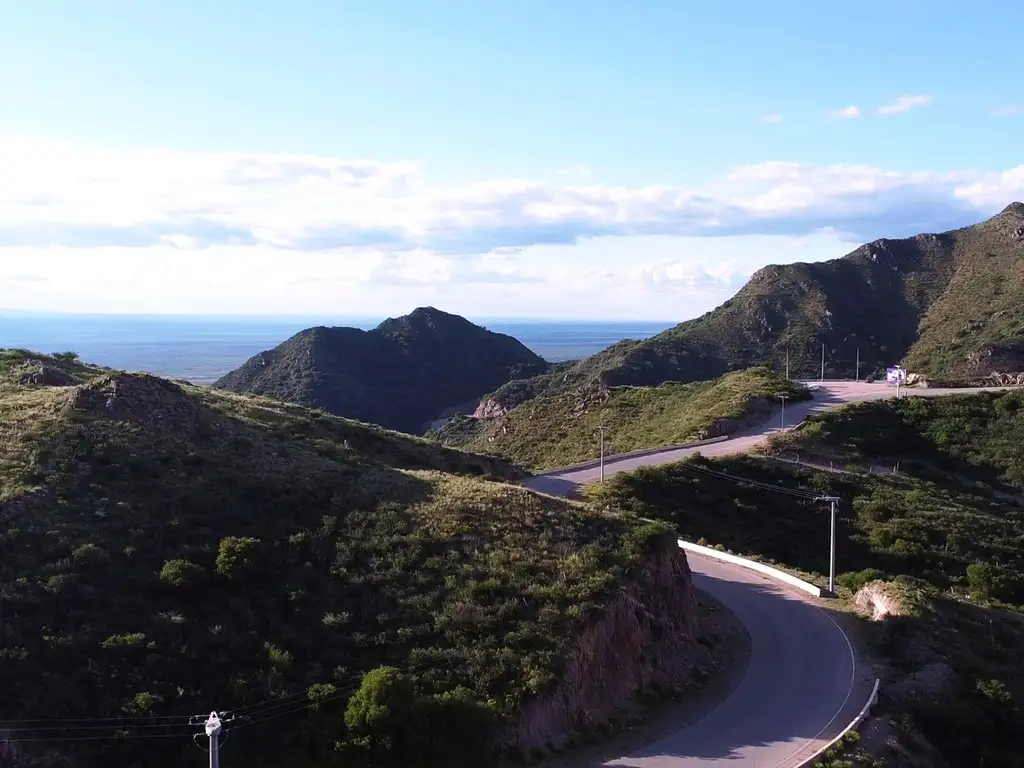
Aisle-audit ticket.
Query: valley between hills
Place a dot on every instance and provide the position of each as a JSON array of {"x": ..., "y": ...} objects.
[{"x": 337, "y": 535}]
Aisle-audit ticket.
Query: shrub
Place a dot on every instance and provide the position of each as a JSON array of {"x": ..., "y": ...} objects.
[
  {"x": 237, "y": 555},
  {"x": 980, "y": 577},
  {"x": 854, "y": 580},
  {"x": 182, "y": 573}
]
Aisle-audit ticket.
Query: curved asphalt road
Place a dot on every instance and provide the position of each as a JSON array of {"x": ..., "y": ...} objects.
[
  {"x": 802, "y": 685},
  {"x": 799, "y": 690},
  {"x": 827, "y": 395}
]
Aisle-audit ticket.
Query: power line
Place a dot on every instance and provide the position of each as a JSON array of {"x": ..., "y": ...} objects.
[
  {"x": 125, "y": 719},
  {"x": 111, "y": 726},
  {"x": 124, "y": 737},
  {"x": 747, "y": 481}
]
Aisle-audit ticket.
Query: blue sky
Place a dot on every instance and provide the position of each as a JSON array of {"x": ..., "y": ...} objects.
[{"x": 529, "y": 158}]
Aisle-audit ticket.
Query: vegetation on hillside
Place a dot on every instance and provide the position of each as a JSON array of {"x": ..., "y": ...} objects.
[
  {"x": 974, "y": 437},
  {"x": 401, "y": 375},
  {"x": 560, "y": 430},
  {"x": 167, "y": 550},
  {"x": 944, "y": 535},
  {"x": 950, "y": 305}
]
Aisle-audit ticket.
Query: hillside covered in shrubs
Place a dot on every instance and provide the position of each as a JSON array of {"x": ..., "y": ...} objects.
[{"x": 168, "y": 550}]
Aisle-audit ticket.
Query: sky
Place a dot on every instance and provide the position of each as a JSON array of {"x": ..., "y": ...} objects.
[{"x": 531, "y": 158}]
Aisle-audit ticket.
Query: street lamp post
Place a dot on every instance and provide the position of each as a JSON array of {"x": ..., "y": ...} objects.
[
  {"x": 832, "y": 500},
  {"x": 600, "y": 430},
  {"x": 783, "y": 397}
]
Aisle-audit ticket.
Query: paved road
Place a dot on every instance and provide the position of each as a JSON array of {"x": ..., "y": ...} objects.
[
  {"x": 827, "y": 395},
  {"x": 802, "y": 685},
  {"x": 800, "y": 689}
]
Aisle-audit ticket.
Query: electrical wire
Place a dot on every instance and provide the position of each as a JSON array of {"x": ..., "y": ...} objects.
[
  {"x": 16, "y": 740},
  {"x": 111, "y": 726},
  {"x": 749, "y": 482}
]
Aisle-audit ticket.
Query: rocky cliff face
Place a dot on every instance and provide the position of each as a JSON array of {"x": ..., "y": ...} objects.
[{"x": 647, "y": 636}]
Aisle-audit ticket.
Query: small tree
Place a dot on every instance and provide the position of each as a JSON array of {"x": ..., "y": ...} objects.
[
  {"x": 980, "y": 578},
  {"x": 237, "y": 555},
  {"x": 378, "y": 714}
]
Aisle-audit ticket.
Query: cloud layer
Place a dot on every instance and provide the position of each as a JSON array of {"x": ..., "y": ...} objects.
[{"x": 60, "y": 195}]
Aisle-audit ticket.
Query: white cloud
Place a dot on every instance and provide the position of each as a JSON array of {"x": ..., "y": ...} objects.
[
  {"x": 55, "y": 194},
  {"x": 159, "y": 231},
  {"x": 772, "y": 118},
  {"x": 904, "y": 104},
  {"x": 1009, "y": 110},
  {"x": 846, "y": 113}
]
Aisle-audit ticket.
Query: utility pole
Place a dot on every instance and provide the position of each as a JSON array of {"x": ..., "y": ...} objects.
[
  {"x": 832, "y": 500},
  {"x": 783, "y": 397},
  {"x": 787, "y": 364},
  {"x": 600, "y": 429},
  {"x": 823, "y": 361},
  {"x": 857, "y": 375},
  {"x": 213, "y": 727}
]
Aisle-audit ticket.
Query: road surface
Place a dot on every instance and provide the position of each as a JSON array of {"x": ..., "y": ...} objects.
[
  {"x": 800, "y": 689},
  {"x": 802, "y": 685},
  {"x": 827, "y": 395}
]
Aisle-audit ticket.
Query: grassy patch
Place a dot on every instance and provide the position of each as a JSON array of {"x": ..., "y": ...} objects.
[{"x": 562, "y": 429}]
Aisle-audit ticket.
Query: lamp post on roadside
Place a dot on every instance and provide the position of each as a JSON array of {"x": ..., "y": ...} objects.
[
  {"x": 832, "y": 500},
  {"x": 600, "y": 430},
  {"x": 783, "y": 397}
]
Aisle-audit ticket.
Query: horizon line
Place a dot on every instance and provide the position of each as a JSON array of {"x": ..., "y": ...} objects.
[{"x": 280, "y": 317}]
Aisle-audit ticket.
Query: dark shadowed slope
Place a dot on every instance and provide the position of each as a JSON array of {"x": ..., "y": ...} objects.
[{"x": 401, "y": 375}]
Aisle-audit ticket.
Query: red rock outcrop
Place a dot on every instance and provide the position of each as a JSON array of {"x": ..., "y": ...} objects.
[{"x": 645, "y": 637}]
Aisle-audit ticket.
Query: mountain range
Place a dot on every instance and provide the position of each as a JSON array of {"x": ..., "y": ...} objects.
[{"x": 948, "y": 305}]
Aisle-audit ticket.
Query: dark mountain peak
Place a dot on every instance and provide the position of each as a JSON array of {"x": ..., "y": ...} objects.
[
  {"x": 402, "y": 374},
  {"x": 426, "y": 319}
]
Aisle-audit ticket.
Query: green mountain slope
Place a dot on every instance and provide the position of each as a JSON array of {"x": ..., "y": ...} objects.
[
  {"x": 951, "y": 305},
  {"x": 561, "y": 429},
  {"x": 401, "y": 375},
  {"x": 167, "y": 549}
]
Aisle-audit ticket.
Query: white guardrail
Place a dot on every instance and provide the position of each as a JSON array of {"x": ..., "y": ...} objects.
[
  {"x": 872, "y": 700},
  {"x": 806, "y": 586},
  {"x": 753, "y": 565}
]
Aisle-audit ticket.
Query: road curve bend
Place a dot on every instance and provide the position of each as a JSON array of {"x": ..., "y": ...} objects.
[
  {"x": 827, "y": 395},
  {"x": 802, "y": 684}
]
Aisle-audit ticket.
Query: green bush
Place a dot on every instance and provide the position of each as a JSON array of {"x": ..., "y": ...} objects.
[
  {"x": 980, "y": 579},
  {"x": 182, "y": 573},
  {"x": 237, "y": 555},
  {"x": 854, "y": 580},
  {"x": 379, "y": 714}
]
